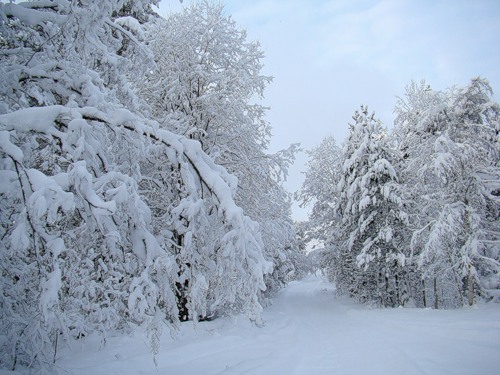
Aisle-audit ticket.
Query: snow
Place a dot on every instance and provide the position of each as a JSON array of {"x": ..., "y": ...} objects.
[
  {"x": 32, "y": 17},
  {"x": 80, "y": 174},
  {"x": 39, "y": 119},
  {"x": 10, "y": 149},
  {"x": 309, "y": 330},
  {"x": 49, "y": 293},
  {"x": 132, "y": 24}
]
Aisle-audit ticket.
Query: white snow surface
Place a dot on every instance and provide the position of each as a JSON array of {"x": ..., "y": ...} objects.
[{"x": 309, "y": 330}]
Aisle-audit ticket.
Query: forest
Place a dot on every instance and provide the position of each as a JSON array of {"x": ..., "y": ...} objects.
[{"x": 137, "y": 187}]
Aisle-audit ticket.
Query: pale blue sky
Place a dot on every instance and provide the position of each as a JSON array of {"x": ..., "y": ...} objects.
[{"x": 329, "y": 56}]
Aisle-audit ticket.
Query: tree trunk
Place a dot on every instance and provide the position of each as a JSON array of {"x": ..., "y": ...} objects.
[
  {"x": 470, "y": 287},
  {"x": 181, "y": 288},
  {"x": 435, "y": 294},
  {"x": 396, "y": 293},
  {"x": 387, "y": 296},
  {"x": 55, "y": 346},
  {"x": 380, "y": 289},
  {"x": 423, "y": 293},
  {"x": 182, "y": 301}
]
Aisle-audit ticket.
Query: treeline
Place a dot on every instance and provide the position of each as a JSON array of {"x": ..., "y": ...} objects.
[
  {"x": 411, "y": 216},
  {"x": 136, "y": 186}
]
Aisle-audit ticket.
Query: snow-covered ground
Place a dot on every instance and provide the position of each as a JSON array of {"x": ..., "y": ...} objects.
[{"x": 309, "y": 330}]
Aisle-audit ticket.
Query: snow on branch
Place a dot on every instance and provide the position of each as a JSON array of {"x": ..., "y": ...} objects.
[
  {"x": 31, "y": 16},
  {"x": 213, "y": 177}
]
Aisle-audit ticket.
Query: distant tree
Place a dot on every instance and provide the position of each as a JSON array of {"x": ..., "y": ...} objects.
[{"x": 319, "y": 188}]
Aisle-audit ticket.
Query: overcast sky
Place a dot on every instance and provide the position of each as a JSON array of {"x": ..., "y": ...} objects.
[{"x": 328, "y": 57}]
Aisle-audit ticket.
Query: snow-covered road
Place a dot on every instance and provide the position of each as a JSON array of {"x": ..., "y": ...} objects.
[{"x": 310, "y": 331}]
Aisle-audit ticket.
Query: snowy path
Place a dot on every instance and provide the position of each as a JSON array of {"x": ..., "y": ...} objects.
[{"x": 310, "y": 331}]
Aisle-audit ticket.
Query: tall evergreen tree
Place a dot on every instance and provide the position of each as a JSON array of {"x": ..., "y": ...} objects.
[{"x": 371, "y": 255}]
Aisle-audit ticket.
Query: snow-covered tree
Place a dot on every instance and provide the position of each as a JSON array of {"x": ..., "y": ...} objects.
[
  {"x": 319, "y": 188},
  {"x": 449, "y": 144},
  {"x": 417, "y": 209},
  {"x": 84, "y": 245},
  {"x": 207, "y": 74},
  {"x": 207, "y": 77},
  {"x": 370, "y": 257}
]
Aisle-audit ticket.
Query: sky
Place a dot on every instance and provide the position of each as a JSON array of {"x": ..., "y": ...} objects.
[{"x": 328, "y": 57}]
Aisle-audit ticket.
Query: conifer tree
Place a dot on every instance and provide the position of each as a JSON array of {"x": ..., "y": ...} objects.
[{"x": 371, "y": 256}]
